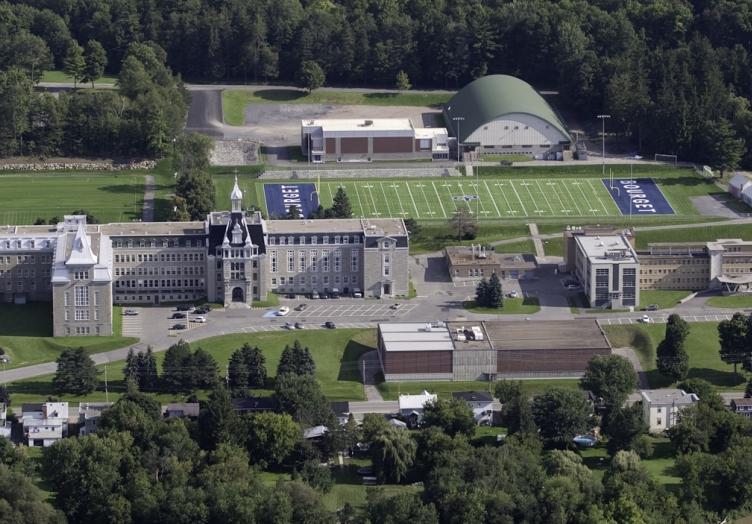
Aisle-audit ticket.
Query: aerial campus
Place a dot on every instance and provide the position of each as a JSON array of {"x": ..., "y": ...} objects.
[{"x": 272, "y": 282}]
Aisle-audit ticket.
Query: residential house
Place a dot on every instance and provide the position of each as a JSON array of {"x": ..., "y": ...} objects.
[
  {"x": 315, "y": 433},
  {"x": 44, "y": 424},
  {"x": 661, "y": 407},
  {"x": 411, "y": 406},
  {"x": 254, "y": 405},
  {"x": 481, "y": 402},
  {"x": 88, "y": 416},
  {"x": 182, "y": 409},
  {"x": 5, "y": 424},
  {"x": 742, "y": 406},
  {"x": 341, "y": 411}
]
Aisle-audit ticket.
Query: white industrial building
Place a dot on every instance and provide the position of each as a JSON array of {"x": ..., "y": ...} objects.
[{"x": 607, "y": 268}]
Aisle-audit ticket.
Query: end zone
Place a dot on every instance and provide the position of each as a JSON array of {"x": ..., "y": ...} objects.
[
  {"x": 280, "y": 197},
  {"x": 638, "y": 196}
]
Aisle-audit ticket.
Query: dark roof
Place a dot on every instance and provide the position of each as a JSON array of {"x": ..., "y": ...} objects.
[
  {"x": 340, "y": 408},
  {"x": 493, "y": 96},
  {"x": 32, "y": 407},
  {"x": 473, "y": 396},
  {"x": 255, "y": 404},
  {"x": 742, "y": 402},
  {"x": 218, "y": 231}
]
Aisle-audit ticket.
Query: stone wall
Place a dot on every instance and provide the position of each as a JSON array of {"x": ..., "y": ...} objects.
[{"x": 63, "y": 165}]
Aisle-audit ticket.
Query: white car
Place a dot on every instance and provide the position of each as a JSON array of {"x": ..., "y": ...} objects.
[
  {"x": 512, "y": 294},
  {"x": 284, "y": 310},
  {"x": 200, "y": 320},
  {"x": 645, "y": 319}
]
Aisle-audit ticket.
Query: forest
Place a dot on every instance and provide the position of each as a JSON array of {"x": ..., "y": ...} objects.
[{"x": 674, "y": 74}]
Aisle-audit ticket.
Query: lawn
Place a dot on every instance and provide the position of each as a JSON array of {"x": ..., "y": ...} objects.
[
  {"x": 701, "y": 345},
  {"x": 663, "y": 298},
  {"x": 434, "y": 236},
  {"x": 731, "y": 302},
  {"x": 62, "y": 77},
  {"x": 660, "y": 465},
  {"x": 694, "y": 234},
  {"x": 392, "y": 390},
  {"x": 511, "y": 306},
  {"x": 554, "y": 247},
  {"x": 109, "y": 197},
  {"x": 234, "y": 101},
  {"x": 26, "y": 336},
  {"x": 336, "y": 356}
]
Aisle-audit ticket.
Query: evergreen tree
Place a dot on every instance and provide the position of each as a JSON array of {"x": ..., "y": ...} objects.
[
  {"x": 147, "y": 371},
  {"x": 495, "y": 295},
  {"x": 237, "y": 373},
  {"x": 95, "y": 58},
  {"x": 481, "y": 293},
  {"x": 176, "y": 368},
  {"x": 402, "y": 81},
  {"x": 671, "y": 357},
  {"x": 75, "y": 373},
  {"x": 204, "y": 370},
  {"x": 296, "y": 359},
  {"x": 73, "y": 63},
  {"x": 131, "y": 369},
  {"x": 218, "y": 423},
  {"x": 735, "y": 337},
  {"x": 256, "y": 365},
  {"x": 341, "y": 207}
]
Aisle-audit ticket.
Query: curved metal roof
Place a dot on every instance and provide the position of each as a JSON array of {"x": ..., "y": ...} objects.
[{"x": 493, "y": 96}]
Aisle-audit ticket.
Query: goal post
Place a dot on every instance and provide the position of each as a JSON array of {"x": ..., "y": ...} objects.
[{"x": 668, "y": 159}]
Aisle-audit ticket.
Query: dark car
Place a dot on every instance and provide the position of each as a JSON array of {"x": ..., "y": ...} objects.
[
  {"x": 202, "y": 310},
  {"x": 178, "y": 315},
  {"x": 301, "y": 307},
  {"x": 179, "y": 326},
  {"x": 185, "y": 307},
  {"x": 329, "y": 324},
  {"x": 290, "y": 295},
  {"x": 299, "y": 325},
  {"x": 651, "y": 307}
]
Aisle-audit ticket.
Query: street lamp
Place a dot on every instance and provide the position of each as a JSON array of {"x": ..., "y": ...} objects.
[
  {"x": 603, "y": 140},
  {"x": 458, "y": 119}
]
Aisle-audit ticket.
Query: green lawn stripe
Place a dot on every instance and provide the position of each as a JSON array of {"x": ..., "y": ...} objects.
[
  {"x": 438, "y": 198},
  {"x": 492, "y": 198},
  {"x": 407, "y": 185}
]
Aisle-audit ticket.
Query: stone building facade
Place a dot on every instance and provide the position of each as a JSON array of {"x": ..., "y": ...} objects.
[{"x": 232, "y": 256}]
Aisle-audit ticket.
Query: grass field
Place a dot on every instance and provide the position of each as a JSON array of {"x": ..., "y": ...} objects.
[
  {"x": 26, "y": 336},
  {"x": 694, "y": 234},
  {"x": 336, "y": 356},
  {"x": 60, "y": 76},
  {"x": 392, "y": 390},
  {"x": 731, "y": 302},
  {"x": 109, "y": 197},
  {"x": 234, "y": 101},
  {"x": 664, "y": 299},
  {"x": 661, "y": 465},
  {"x": 701, "y": 345},
  {"x": 512, "y": 306}
]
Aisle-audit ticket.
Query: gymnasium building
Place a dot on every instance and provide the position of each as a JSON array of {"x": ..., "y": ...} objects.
[{"x": 231, "y": 257}]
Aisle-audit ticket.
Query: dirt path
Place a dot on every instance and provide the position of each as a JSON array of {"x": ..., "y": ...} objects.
[{"x": 148, "y": 213}]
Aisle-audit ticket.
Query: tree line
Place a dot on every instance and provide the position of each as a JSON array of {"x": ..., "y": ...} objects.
[{"x": 673, "y": 78}]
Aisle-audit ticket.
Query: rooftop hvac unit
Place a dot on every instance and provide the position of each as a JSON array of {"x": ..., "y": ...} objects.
[{"x": 477, "y": 333}]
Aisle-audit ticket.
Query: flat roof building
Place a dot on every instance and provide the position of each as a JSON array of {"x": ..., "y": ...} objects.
[
  {"x": 365, "y": 140},
  {"x": 475, "y": 262},
  {"x": 607, "y": 267}
]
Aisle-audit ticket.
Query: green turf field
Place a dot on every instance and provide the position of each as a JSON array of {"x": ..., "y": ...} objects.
[{"x": 109, "y": 197}]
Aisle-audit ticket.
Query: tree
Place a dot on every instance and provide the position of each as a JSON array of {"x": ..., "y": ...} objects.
[
  {"x": 402, "y": 81},
  {"x": 296, "y": 359},
  {"x": 176, "y": 367},
  {"x": 191, "y": 152},
  {"x": 724, "y": 149},
  {"x": 734, "y": 340},
  {"x": 518, "y": 413},
  {"x": 310, "y": 75},
  {"x": 270, "y": 438},
  {"x": 507, "y": 390},
  {"x": 148, "y": 380},
  {"x": 402, "y": 508},
  {"x": 412, "y": 226},
  {"x": 495, "y": 295},
  {"x": 5, "y": 397},
  {"x": 95, "y": 58},
  {"x": 293, "y": 213},
  {"x": 15, "y": 105},
  {"x": 393, "y": 453},
  {"x": 197, "y": 190},
  {"x": 75, "y": 373},
  {"x": 73, "y": 63},
  {"x": 623, "y": 426},
  {"x": 22, "y": 502},
  {"x": 481, "y": 293},
  {"x": 301, "y": 397},
  {"x": 561, "y": 414},
  {"x": 218, "y": 423},
  {"x": 671, "y": 357},
  {"x": 452, "y": 416},
  {"x": 464, "y": 224},
  {"x": 341, "y": 207},
  {"x": 247, "y": 369},
  {"x": 611, "y": 377},
  {"x": 204, "y": 370}
]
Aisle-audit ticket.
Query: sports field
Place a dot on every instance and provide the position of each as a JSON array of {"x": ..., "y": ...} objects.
[{"x": 109, "y": 197}]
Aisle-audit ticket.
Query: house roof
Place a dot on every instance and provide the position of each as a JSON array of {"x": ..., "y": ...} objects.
[
  {"x": 739, "y": 181},
  {"x": 315, "y": 432},
  {"x": 181, "y": 409},
  {"x": 742, "y": 402},
  {"x": 494, "y": 96},
  {"x": 473, "y": 396},
  {"x": 668, "y": 397},
  {"x": 255, "y": 404},
  {"x": 416, "y": 401}
]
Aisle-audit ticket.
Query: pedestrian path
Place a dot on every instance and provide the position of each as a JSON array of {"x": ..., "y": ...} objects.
[
  {"x": 537, "y": 242},
  {"x": 148, "y": 214},
  {"x": 131, "y": 326}
]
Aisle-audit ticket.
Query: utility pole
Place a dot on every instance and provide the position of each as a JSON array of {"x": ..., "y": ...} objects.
[
  {"x": 106, "y": 389},
  {"x": 603, "y": 140},
  {"x": 363, "y": 361}
]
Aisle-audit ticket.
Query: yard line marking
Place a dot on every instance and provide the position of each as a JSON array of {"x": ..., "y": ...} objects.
[
  {"x": 388, "y": 209},
  {"x": 545, "y": 197},
  {"x": 428, "y": 204},
  {"x": 556, "y": 192},
  {"x": 574, "y": 200},
  {"x": 329, "y": 188},
  {"x": 511, "y": 183},
  {"x": 477, "y": 194},
  {"x": 407, "y": 185},
  {"x": 492, "y": 198},
  {"x": 598, "y": 198},
  {"x": 438, "y": 198},
  {"x": 395, "y": 186},
  {"x": 504, "y": 196},
  {"x": 537, "y": 209},
  {"x": 584, "y": 196},
  {"x": 360, "y": 202},
  {"x": 375, "y": 208}
]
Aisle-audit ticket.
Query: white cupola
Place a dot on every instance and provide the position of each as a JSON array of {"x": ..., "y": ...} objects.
[{"x": 236, "y": 197}]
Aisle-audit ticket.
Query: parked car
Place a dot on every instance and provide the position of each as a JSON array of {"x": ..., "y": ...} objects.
[
  {"x": 301, "y": 307},
  {"x": 178, "y": 315},
  {"x": 130, "y": 312},
  {"x": 357, "y": 293},
  {"x": 651, "y": 307},
  {"x": 572, "y": 286},
  {"x": 299, "y": 325},
  {"x": 284, "y": 310},
  {"x": 185, "y": 307},
  {"x": 314, "y": 295},
  {"x": 202, "y": 310},
  {"x": 396, "y": 306},
  {"x": 330, "y": 325},
  {"x": 512, "y": 294},
  {"x": 645, "y": 319},
  {"x": 291, "y": 295},
  {"x": 179, "y": 326},
  {"x": 199, "y": 319},
  {"x": 289, "y": 325}
]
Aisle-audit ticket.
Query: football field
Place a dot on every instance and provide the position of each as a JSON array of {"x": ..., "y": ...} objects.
[{"x": 439, "y": 198}]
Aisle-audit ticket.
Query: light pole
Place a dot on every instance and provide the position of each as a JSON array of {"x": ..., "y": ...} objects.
[
  {"x": 458, "y": 119},
  {"x": 603, "y": 140}
]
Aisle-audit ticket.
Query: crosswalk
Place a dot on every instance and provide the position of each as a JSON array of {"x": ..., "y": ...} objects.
[{"x": 131, "y": 326}]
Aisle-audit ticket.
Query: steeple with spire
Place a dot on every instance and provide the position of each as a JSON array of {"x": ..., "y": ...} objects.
[{"x": 236, "y": 197}]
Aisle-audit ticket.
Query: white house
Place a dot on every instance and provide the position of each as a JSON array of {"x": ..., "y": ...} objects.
[
  {"x": 738, "y": 184},
  {"x": 411, "y": 406},
  {"x": 5, "y": 425},
  {"x": 746, "y": 195},
  {"x": 44, "y": 424},
  {"x": 88, "y": 416},
  {"x": 480, "y": 402},
  {"x": 661, "y": 407}
]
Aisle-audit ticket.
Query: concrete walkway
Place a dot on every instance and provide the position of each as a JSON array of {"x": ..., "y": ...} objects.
[
  {"x": 368, "y": 363},
  {"x": 148, "y": 214},
  {"x": 537, "y": 242},
  {"x": 629, "y": 354}
]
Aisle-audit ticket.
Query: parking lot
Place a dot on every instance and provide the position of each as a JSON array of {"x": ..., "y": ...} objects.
[
  {"x": 353, "y": 309},
  {"x": 661, "y": 319}
]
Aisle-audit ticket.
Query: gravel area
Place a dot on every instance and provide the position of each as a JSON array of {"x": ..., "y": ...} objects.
[
  {"x": 234, "y": 153},
  {"x": 423, "y": 172}
]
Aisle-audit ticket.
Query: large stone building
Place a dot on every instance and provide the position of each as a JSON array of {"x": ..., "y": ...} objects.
[{"x": 232, "y": 256}]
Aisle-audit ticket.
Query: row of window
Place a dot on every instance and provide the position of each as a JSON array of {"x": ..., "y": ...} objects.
[
  {"x": 188, "y": 282},
  {"x": 313, "y": 240},
  {"x": 81, "y": 330},
  {"x": 30, "y": 244},
  {"x": 159, "y": 257},
  {"x": 157, "y": 242},
  {"x": 303, "y": 279},
  {"x": 187, "y": 270},
  {"x": 24, "y": 272},
  {"x": 311, "y": 261},
  {"x": 164, "y": 298},
  {"x": 80, "y": 296},
  {"x": 25, "y": 259},
  {"x": 81, "y": 315},
  {"x": 22, "y": 284}
]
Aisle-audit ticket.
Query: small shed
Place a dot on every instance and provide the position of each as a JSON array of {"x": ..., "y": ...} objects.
[{"x": 738, "y": 184}]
